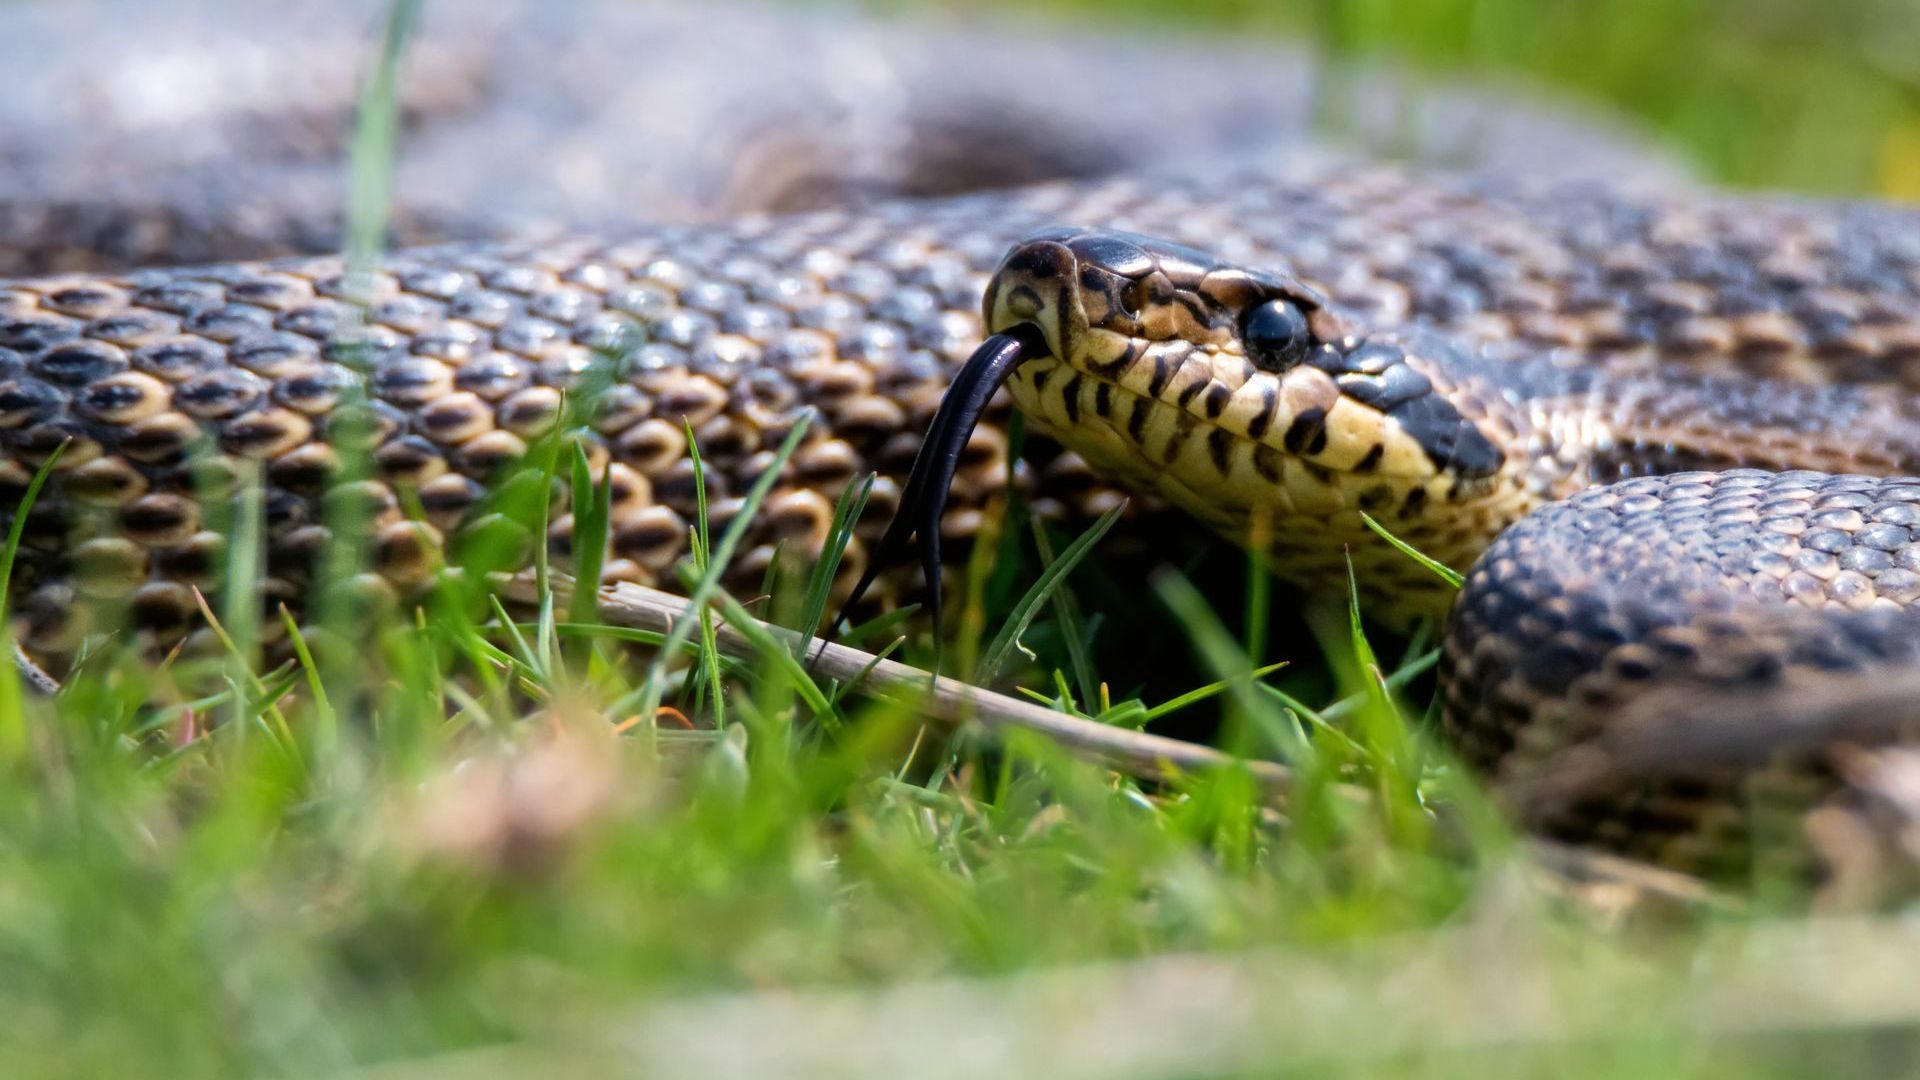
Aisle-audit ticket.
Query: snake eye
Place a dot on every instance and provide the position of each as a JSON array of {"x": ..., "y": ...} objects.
[{"x": 1276, "y": 335}]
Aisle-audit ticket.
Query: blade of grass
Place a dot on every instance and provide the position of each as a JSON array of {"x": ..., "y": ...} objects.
[
  {"x": 771, "y": 595},
  {"x": 1073, "y": 633},
  {"x": 17, "y": 527},
  {"x": 13, "y": 721},
  {"x": 529, "y": 656},
  {"x": 1043, "y": 587},
  {"x": 1199, "y": 694},
  {"x": 880, "y": 625},
  {"x": 846, "y": 513},
  {"x": 369, "y": 200},
  {"x": 326, "y": 724},
  {"x": 547, "y": 452},
  {"x": 992, "y": 549},
  {"x": 1440, "y": 570},
  {"x": 1398, "y": 680},
  {"x": 701, "y": 544},
  {"x": 1326, "y": 720},
  {"x": 1387, "y": 738},
  {"x": 840, "y": 689},
  {"x": 710, "y": 580},
  {"x": 1228, "y": 659},
  {"x": 251, "y": 695},
  {"x": 778, "y": 654},
  {"x": 1259, "y": 585},
  {"x": 1136, "y": 714},
  {"x": 638, "y": 637},
  {"x": 371, "y": 151},
  {"x": 241, "y": 599},
  {"x": 1320, "y": 722},
  {"x": 592, "y": 516},
  {"x": 1380, "y": 727}
]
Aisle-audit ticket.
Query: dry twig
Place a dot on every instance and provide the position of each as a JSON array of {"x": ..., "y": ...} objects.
[{"x": 1136, "y": 753}]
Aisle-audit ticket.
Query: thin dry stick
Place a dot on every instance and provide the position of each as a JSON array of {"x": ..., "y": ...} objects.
[{"x": 1136, "y": 753}]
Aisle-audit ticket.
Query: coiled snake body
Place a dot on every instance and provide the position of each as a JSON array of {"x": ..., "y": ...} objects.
[{"x": 1669, "y": 435}]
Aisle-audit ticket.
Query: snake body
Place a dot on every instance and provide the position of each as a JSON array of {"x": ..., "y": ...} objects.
[{"x": 1665, "y": 432}]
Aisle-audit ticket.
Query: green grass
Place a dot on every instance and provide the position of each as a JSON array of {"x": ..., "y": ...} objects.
[
  {"x": 1819, "y": 96},
  {"x": 463, "y": 834}
]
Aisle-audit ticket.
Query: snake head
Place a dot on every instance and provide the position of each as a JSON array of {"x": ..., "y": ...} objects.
[
  {"x": 1246, "y": 399},
  {"x": 1240, "y": 396}
]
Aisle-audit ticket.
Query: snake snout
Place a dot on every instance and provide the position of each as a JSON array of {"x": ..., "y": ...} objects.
[{"x": 1036, "y": 285}]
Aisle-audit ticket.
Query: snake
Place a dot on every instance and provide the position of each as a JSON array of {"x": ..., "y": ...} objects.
[{"x": 1668, "y": 435}]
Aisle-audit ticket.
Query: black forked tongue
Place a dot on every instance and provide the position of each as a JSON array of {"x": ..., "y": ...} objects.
[{"x": 924, "y": 499}]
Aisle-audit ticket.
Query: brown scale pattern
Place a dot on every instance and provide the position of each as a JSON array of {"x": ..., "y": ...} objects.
[
  {"x": 1632, "y": 660},
  {"x": 1594, "y": 333},
  {"x": 168, "y": 389}
]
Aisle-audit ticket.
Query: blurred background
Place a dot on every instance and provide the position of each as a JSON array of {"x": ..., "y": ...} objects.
[{"x": 1814, "y": 95}]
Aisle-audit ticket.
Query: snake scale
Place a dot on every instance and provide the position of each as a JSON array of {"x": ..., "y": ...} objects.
[{"x": 1669, "y": 435}]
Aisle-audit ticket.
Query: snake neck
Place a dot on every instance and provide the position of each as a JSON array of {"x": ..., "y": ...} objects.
[
  {"x": 1562, "y": 427},
  {"x": 1598, "y": 427}
]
